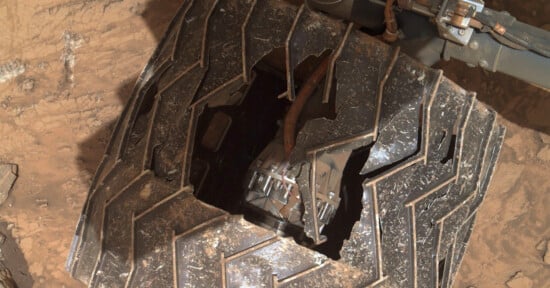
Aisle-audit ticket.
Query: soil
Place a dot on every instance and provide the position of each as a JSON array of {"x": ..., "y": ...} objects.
[{"x": 67, "y": 68}]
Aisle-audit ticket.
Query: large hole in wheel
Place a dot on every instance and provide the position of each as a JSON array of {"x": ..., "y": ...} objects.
[
  {"x": 349, "y": 210},
  {"x": 217, "y": 174},
  {"x": 230, "y": 138}
]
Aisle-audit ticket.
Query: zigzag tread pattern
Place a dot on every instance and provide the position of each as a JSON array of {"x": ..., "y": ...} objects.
[{"x": 142, "y": 227}]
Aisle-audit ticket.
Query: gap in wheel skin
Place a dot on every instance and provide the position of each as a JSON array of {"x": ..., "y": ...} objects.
[
  {"x": 218, "y": 175},
  {"x": 441, "y": 268},
  {"x": 349, "y": 211},
  {"x": 388, "y": 167}
]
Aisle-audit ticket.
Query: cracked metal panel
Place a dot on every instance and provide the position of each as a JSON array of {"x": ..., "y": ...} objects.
[
  {"x": 362, "y": 248},
  {"x": 400, "y": 113},
  {"x": 319, "y": 184},
  {"x": 312, "y": 35},
  {"x": 356, "y": 88},
  {"x": 266, "y": 29}
]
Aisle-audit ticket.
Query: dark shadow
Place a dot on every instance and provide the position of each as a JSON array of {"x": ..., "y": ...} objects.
[
  {"x": 92, "y": 149},
  {"x": 12, "y": 258},
  {"x": 515, "y": 100},
  {"x": 157, "y": 14}
]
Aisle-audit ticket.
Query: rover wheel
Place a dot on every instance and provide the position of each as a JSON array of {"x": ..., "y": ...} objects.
[{"x": 390, "y": 164}]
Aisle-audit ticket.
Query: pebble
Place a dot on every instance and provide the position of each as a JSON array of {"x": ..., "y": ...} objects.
[
  {"x": 519, "y": 280},
  {"x": 8, "y": 175},
  {"x": 27, "y": 85},
  {"x": 546, "y": 257},
  {"x": 541, "y": 246}
]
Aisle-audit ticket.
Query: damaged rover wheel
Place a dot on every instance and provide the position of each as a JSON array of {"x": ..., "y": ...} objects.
[{"x": 387, "y": 164}]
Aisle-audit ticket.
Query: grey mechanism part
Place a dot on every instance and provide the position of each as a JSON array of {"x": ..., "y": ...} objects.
[
  {"x": 453, "y": 19},
  {"x": 272, "y": 187},
  {"x": 485, "y": 52},
  {"x": 521, "y": 51}
]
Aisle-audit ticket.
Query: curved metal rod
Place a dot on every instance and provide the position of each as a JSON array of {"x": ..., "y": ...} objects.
[{"x": 307, "y": 89}]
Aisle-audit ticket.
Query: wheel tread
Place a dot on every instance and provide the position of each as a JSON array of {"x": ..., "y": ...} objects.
[{"x": 196, "y": 67}]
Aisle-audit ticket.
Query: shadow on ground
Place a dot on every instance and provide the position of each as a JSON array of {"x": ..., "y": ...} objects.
[
  {"x": 157, "y": 14},
  {"x": 513, "y": 99},
  {"x": 15, "y": 261}
]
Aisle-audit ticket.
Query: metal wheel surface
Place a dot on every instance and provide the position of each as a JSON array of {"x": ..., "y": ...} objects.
[{"x": 391, "y": 161}]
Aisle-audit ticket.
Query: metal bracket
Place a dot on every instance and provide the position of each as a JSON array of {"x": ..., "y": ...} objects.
[{"x": 453, "y": 19}]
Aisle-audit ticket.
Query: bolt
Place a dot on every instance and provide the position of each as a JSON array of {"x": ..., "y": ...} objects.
[
  {"x": 474, "y": 45},
  {"x": 461, "y": 32},
  {"x": 483, "y": 63}
]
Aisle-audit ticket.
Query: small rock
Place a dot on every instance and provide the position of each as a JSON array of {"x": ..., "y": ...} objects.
[
  {"x": 137, "y": 9},
  {"x": 8, "y": 175},
  {"x": 6, "y": 102},
  {"x": 11, "y": 70},
  {"x": 541, "y": 246},
  {"x": 546, "y": 257},
  {"x": 27, "y": 85},
  {"x": 6, "y": 280},
  {"x": 42, "y": 203},
  {"x": 544, "y": 154},
  {"x": 519, "y": 280}
]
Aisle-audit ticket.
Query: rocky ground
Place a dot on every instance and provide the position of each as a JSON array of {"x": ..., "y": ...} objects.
[{"x": 68, "y": 66}]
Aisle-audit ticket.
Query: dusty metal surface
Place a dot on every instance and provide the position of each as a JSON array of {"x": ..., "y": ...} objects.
[
  {"x": 143, "y": 208},
  {"x": 58, "y": 153},
  {"x": 14, "y": 270}
]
